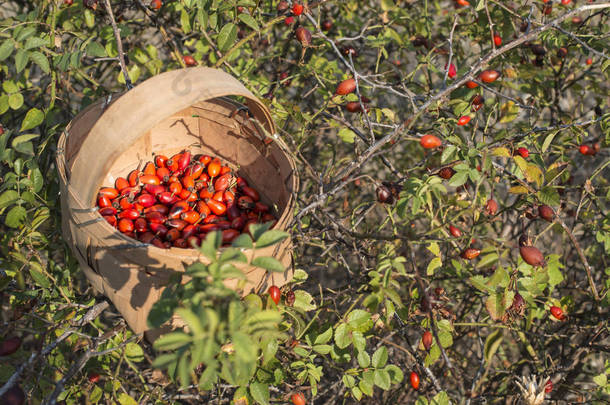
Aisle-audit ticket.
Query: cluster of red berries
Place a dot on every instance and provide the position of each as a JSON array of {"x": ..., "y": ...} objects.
[
  {"x": 296, "y": 10},
  {"x": 176, "y": 201}
]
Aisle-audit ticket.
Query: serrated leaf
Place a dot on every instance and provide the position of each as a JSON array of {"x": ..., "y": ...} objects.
[
  {"x": 33, "y": 118},
  {"x": 342, "y": 337},
  {"x": 6, "y": 49},
  {"x": 363, "y": 358},
  {"x": 227, "y": 36},
  {"x": 271, "y": 237},
  {"x": 249, "y": 21},
  {"x": 303, "y": 301},
  {"x": 34, "y": 42},
  {"x": 21, "y": 60},
  {"x": 549, "y": 196},
  {"x": 268, "y": 263},
  {"x": 380, "y": 357},
  {"x": 382, "y": 379}
]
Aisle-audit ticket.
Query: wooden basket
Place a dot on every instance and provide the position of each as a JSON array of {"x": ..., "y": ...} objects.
[{"x": 190, "y": 108}]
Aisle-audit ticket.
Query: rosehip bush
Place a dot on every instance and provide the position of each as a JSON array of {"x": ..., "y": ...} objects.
[{"x": 407, "y": 119}]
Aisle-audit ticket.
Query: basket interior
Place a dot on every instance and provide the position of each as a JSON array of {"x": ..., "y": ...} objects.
[{"x": 216, "y": 127}]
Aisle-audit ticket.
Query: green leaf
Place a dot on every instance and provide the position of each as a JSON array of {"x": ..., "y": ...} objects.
[
  {"x": 96, "y": 394},
  {"x": 96, "y": 50},
  {"x": 6, "y": 49},
  {"x": 41, "y": 60},
  {"x": 508, "y": 111},
  {"x": 15, "y": 217},
  {"x": 271, "y": 238},
  {"x": 4, "y": 105},
  {"x": 260, "y": 393},
  {"x": 380, "y": 357},
  {"x": 358, "y": 318},
  {"x": 32, "y": 119},
  {"x": 459, "y": 178},
  {"x": 38, "y": 276},
  {"x": 433, "y": 265},
  {"x": 257, "y": 230},
  {"x": 492, "y": 343},
  {"x": 210, "y": 245},
  {"x": 342, "y": 337},
  {"x": 601, "y": 380},
  {"x": 162, "y": 361},
  {"x": 358, "y": 340},
  {"x": 172, "y": 341},
  {"x": 9, "y": 197},
  {"x": 440, "y": 399},
  {"x": 34, "y": 42},
  {"x": 125, "y": 399},
  {"x": 89, "y": 18},
  {"x": 232, "y": 255},
  {"x": 366, "y": 387},
  {"x": 268, "y": 263},
  {"x": 322, "y": 349},
  {"x": 245, "y": 349},
  {"x": 303, "y": 301},
  {"x": 346, "y": 135},
  {"x": 549, "y": 196},
  {"x": 324, "y": 337},
  {"x": 185, "y": 21},
  {"x": 227, "y": 36},
  {"x": 192, "y": 321},
  {"x": 382, "y": 378},
  {"x": 548, "y": 140},
  {"x": 21, "y": 60},
  {"x": 364, "y": 360},
  {"x": 134, "y": 352},
  {"x": 448, "y": 153},
  {"x": 15, "y": 101},
  {"x": 249, "y": 21},
  {"x": 23, "y": 138},
  {"x": 396, "y": 374},
  {"x": 243, "y": 241}
]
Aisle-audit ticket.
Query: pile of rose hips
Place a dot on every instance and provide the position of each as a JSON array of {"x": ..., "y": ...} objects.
[{"x": 176, "y": 201}]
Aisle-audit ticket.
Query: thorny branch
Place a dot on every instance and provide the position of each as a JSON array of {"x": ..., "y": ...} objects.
[{"x": 119, "y": 45}]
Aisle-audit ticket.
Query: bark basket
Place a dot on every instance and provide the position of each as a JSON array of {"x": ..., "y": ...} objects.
[{"x": 193, "y": 108}]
